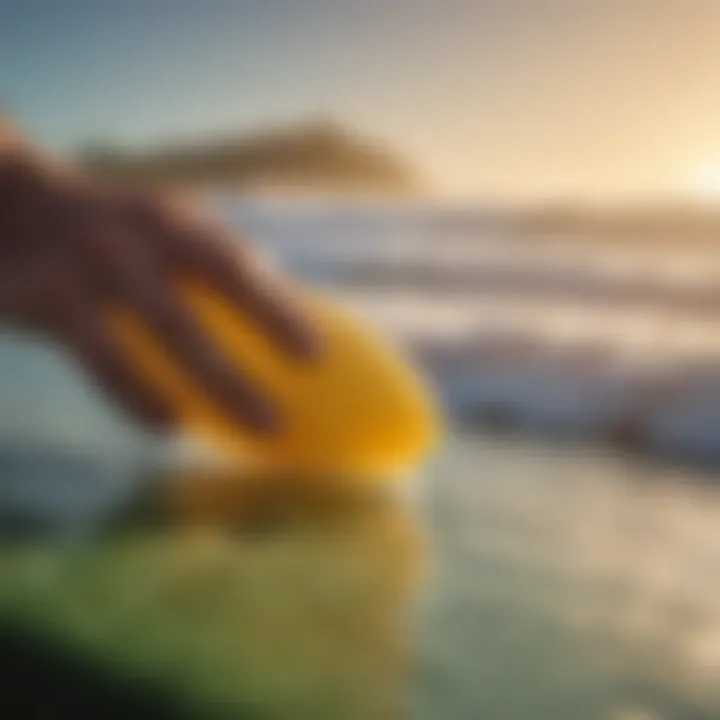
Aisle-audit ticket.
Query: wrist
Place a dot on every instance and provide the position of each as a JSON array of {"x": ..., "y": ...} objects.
[
  {"x": 15, "y": 173},
  {"x": 12, "y": 145},
  {"x": 22, "y": 166}
]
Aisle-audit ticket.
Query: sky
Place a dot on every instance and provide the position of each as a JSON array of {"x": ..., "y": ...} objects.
[{"x": 506, "y": 99}]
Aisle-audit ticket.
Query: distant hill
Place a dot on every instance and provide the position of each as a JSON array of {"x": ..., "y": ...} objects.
[{"x": 318, "y": 156}]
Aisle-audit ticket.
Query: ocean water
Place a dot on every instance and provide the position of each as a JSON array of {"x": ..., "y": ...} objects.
[
  {"x": 521, "y": 579},
  {"x": 571, "y": 582}
]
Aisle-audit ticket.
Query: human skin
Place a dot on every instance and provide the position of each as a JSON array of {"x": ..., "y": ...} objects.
[{"x": 70, "y": 248}]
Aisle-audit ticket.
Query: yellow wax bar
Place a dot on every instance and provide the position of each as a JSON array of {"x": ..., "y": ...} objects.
[{"x": 358, "y": 410}]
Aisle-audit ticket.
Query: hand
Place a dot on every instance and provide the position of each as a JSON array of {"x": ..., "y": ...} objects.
[{"x": 69, "y": 249}]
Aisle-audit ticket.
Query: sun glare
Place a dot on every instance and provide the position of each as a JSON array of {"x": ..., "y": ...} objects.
[{"x": 704, "y": 183}]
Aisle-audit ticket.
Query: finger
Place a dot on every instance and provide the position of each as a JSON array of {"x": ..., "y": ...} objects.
[
  {"x": 192, "y": 243},
  {"x": 128, "y": 271},
  {"x": 254, "y": 290},
  {"x": 92, "y": 344},
  {"x": 183, "y": 337}
]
